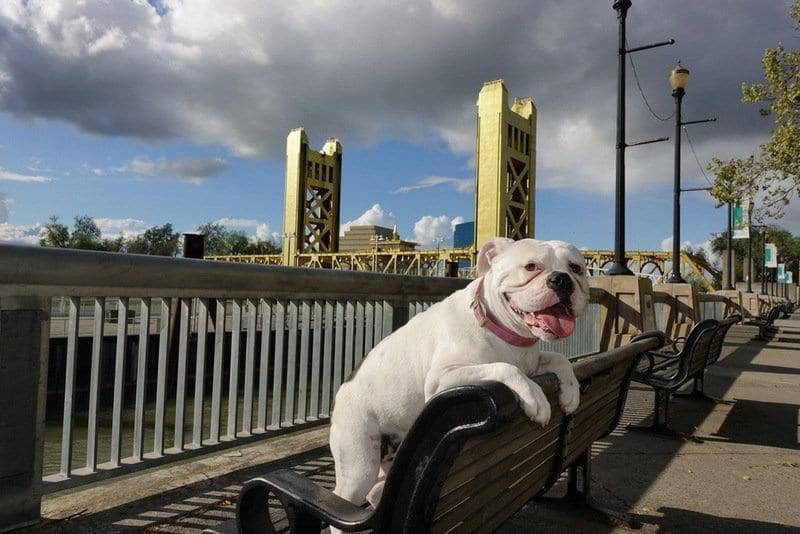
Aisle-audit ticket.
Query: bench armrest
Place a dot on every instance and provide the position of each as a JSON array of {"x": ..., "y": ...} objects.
[{"x": 303, "y": 500}]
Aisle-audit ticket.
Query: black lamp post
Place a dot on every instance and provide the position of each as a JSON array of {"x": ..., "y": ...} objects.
[
  {"x": 678, "y": 79},
  {"x": 729, "y": 277},
  {"x": 764, "y": 262},
  {"x": 750, "y": 228},
  {"x": 619, "y": 265}
]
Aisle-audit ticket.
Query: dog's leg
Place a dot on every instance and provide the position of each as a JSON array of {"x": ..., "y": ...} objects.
[
  {"x": 531, "y": 397},
  {"x": 374, "y": 495},
  {"x": 355, "y": 447},
  {"x": 558, "y": 364}
]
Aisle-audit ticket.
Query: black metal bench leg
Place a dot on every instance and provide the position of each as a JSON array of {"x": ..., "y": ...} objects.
[
  {"x": 660, "y": 425},
  {"x": 580, "y": 500}
]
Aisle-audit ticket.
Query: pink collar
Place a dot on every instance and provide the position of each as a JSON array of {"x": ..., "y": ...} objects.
[{"x": 485, "y": 320}]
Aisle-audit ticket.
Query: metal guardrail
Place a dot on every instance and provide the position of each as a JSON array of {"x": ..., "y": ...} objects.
[
  {"x": 270, "y": 344},
  {"x": 233, "y": 352}
]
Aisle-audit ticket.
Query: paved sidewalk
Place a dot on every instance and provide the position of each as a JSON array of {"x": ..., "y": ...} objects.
[{"x": 744, "y": 476}]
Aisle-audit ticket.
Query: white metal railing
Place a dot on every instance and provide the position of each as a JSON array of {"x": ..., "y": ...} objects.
[
  {"x": 208, "y": 354},
  {"x": 154, "y": 359}
]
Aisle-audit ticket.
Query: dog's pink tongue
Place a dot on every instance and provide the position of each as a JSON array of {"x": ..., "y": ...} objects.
[{"x": 558, "y": 319}]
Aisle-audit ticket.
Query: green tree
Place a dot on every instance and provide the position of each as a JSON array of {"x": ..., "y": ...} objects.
[
  {"x": 787, "y": 243},
  {"x": 55, "y": 234},
  {"x": 219, "y": 241},
  {"x": 157, "y": 241},
  {"x": 86, "y": 234}
]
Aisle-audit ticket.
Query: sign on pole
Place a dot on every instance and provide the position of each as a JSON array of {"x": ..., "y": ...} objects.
[
  {"x": 741, "y": 228},
  {"x": 789, "y": 275},
  {"x": 771, "y": 255},
  {"x": 781, "y": 272}
]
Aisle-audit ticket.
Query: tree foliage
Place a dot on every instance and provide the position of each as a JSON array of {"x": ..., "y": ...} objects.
[
  {"x": 773, "y": 175},
  {"x": 787, "y": 243},
  {"x": 55, "y": 234},
  {"x": 219, "y": 241},
  {"x": 157, "y": 241}
]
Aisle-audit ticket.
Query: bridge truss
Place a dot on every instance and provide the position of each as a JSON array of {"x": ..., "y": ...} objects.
[{"x": 654, "y": 264}]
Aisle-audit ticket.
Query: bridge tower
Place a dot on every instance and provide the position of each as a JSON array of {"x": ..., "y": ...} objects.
[
  {"x": 312, "y": 201},
  {"x": 505, "y": 165}
]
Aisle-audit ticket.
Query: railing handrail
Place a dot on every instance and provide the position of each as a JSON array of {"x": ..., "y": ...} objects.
[{"x": 41, "y": 271}]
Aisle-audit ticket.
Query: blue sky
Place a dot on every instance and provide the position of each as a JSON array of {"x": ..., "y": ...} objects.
[
  {"x": 139, "y": 116},
  {"x": 85, "y": 177}
]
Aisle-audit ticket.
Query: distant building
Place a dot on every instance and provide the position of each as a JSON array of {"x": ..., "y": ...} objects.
[
  {"x": 363, "y": 238},
  {"x": 464, "y": 235}
]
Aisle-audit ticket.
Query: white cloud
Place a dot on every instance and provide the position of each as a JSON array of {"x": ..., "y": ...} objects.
[
  {"x": 705, "y": 246},
  {"x": 21, "y": 234},
  {"x": 430, "y": 229},
  {"x": 258, "y": 230},
  {"x": 98, "y": 172},
  {"x": 9, "y": 176},
  {"x": 461, "y": 185},
  {"x": 4, "y": 202},
  {"x": 231, "y": 77},
  {"x": 195, "y": 171},
  {"x": 114, "y": 228},
  {"x": 376, "y": 215}
]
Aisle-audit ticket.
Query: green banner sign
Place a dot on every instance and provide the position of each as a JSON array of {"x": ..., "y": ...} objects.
[
  {"x": 771, "y": 255},
  {"x": 741, "y": 228}
]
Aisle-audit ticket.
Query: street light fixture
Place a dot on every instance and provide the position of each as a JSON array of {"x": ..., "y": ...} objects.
[
  {"x": 749, "y": 246},
  {"x": 678, "y": 79},
  {"x": 377, "y": 238},
  {"x": 619, "y": 264}
]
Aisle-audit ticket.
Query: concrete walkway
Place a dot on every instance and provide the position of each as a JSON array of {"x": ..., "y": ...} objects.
[{"x": 744, "y": 476}]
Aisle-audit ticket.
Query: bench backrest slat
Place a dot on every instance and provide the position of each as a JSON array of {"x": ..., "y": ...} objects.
[
  {"x": 715, "y": 350},
  {"x": 522, "y": 459}
]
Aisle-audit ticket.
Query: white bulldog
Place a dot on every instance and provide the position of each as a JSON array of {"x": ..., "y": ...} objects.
[{"x": 528, "y": 290}]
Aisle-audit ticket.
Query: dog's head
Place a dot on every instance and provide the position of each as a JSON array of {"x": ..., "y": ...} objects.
[{"x": 534, "y": 286}]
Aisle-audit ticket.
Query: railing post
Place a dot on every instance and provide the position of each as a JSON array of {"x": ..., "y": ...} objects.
[{"x": 24, "y": 345}]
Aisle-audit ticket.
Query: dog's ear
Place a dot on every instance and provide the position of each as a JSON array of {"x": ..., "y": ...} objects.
[{"x": 489, "y": 251}]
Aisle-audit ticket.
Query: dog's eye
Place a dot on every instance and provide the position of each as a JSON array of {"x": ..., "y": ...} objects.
[
  {"x": 575, "y": 268},
  {"x": 531, "y": 267}
]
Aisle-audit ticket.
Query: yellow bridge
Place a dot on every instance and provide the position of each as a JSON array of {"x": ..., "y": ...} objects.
[
  {"x": 505, "y": 204},
  {"x": 427, "y": 262}
]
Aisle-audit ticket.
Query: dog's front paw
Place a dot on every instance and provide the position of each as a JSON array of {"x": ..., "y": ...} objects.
[
  {"x": 569, "y": 396},
  {"x": 534, "y": 403}
]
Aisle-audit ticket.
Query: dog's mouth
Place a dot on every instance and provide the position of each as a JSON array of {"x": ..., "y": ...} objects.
[{"x": 557, "y": 320}]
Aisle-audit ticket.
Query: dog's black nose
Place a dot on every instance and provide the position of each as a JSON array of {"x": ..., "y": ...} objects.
[{"x": 561, "y": 284}]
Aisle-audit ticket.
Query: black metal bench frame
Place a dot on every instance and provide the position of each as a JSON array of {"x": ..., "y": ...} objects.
[
  {"x": 765, "y": 323},
  {"x": 450, "y": 420},
  {"x": 714, "y": 352},
  {"x": 668, "y": 372}
]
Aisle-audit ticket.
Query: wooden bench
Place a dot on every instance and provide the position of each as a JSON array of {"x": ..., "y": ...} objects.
[
  {"x": 668, "y": 372},
  {"x": 470, "y": 461},
  {"x": 765, "y": 323}
]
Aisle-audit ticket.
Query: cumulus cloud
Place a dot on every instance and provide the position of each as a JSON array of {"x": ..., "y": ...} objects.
[
  {"x": 705, "y": 246},
  {"x": 461, "y": 185},
  {"x": 376, "y": 215},
  {"x": 4, "y": 202},
  {"x": 258, "y": 230},
  {"x": 21, "y": 234},
  {"x": 191, "y": 170},
  {"x": 243, "y": 76},
  {"x": 432, "y": 229},
  {"x": 115, "y": 228},
  {"x": 8, "y": 176}
]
